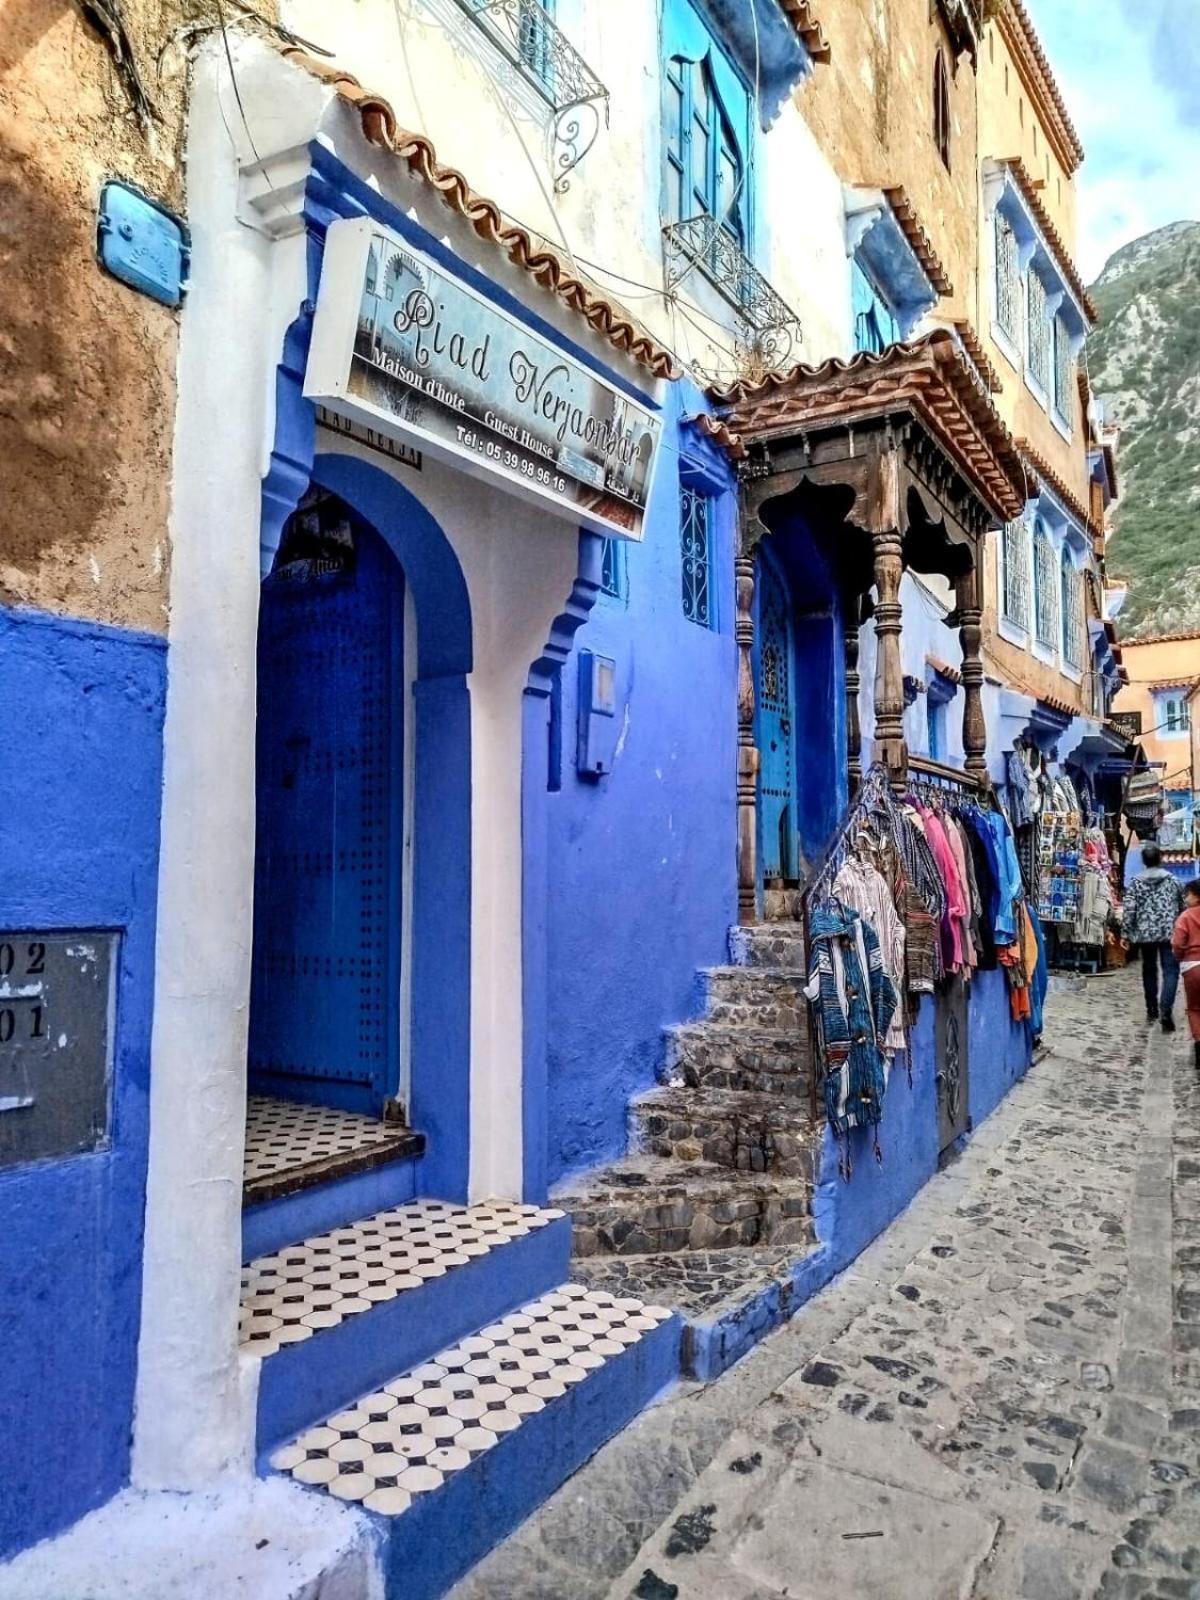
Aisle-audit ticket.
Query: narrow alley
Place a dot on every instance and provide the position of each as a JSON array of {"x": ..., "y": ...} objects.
[{"x": 1001, "y": 1400}]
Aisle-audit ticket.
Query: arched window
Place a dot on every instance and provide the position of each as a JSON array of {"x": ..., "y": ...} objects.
[
  {"x": 941, "y": 108},
  {"x": 1072, "y": 613},
  {"x": 1046, "y": 581},
  {"x": 705, "y": 172}
]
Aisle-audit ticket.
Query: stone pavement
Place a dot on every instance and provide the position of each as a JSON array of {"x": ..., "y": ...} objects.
[{"x": 1001, "y": 1401}]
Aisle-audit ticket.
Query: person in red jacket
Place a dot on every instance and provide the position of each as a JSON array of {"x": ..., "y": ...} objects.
[{"x": 1185, "y": 942}]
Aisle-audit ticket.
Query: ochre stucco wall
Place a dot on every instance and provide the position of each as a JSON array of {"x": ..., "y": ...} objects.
[
  {"x": 871, "y": 110},
  {"x": 1168, "y": 661},
  {"x": 87, "y": 365}
]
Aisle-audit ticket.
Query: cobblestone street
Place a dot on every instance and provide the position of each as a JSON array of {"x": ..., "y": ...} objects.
[{"x": 1000, "y": 1401}]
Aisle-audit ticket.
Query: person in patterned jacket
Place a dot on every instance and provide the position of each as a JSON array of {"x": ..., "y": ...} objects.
[{"x": 1153, "y": 902}]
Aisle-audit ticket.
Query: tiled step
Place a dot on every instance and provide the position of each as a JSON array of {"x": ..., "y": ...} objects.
[
  {"x": 768, "y": 944},
  {"x": 727, "y": 1128},
  {"x": 728, "y": 1299},
  {"x": 763, "y": 997},
  {"x": 340, "y": 1312},
  {"x": 308, "y": 1168},
  {"x": 647, "y": 1204},
  {"x": 453, "y": 1455},
  {"x": 717, "y": 1056}
]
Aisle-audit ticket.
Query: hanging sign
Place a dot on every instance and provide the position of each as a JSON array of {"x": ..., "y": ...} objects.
[{"x": 402, "y": 345}]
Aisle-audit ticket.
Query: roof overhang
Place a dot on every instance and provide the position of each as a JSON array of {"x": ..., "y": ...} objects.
[
  {"x": 925, "y": 393},
  {"x": 883, "y": 227}
]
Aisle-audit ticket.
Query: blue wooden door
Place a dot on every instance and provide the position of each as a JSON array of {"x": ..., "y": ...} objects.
[
  {"x": 325, "y": 982},
  {"x": 775, "y": 721}
]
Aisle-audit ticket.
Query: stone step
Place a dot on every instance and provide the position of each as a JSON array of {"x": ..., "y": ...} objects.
[
  {"x": 647, "y": 1204},
  {"x": 339, "y": 1312},
  {"x": 451, "y": 1456},
  {"x": 768, "y": 944},
  {"x": 763, "y": 997},
  {"x": 757, "y": 1060},
  {"x": 733, "y": 1128}
]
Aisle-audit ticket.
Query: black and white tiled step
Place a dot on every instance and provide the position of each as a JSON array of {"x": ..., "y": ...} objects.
[
  {"x": 450, "y": 1456},
  {"x": 336, "y": 1313},
  {"x": 648, "y": 1204},
  {"x": 310, "y": 1167}
]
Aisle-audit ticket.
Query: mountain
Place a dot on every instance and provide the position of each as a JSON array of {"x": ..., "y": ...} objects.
[{"x": 1144, "y": 361}]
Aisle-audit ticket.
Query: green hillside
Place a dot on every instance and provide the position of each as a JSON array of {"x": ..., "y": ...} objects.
[{"x": 1144, "y": 361}]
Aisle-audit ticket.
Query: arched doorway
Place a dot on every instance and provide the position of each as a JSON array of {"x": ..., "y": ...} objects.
[
  {"x": 775, "y": 723},
  {"x": 325, "y": 976}
]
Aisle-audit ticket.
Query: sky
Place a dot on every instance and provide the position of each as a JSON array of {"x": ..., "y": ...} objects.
[{"x": 1129, "y": 71}]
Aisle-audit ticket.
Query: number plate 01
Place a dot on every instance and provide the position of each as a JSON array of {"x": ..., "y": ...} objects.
[{"x": 56, "y": 1008}]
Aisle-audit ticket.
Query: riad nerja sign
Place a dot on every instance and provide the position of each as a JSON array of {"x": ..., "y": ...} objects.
[{"x": 403, "y": 345}]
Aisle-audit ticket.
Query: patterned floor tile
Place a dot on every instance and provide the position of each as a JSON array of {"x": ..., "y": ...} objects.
[
  {"x": 283, "y": 1134},
  {"x": 407, "y": 1439},
  {"x": 295, "y": 1292}
]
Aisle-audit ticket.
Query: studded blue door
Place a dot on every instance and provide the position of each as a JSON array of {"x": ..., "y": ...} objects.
[
  {"x": 325, "y": 972},
  {"x": 775, "y": 721}
]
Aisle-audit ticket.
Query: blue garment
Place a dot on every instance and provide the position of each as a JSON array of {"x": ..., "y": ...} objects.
[
  {"x": 982, "y": 831},
  {"x": 1009, "y": 874},
  {"x": 1040, "y": 978},
  {"x": 1020, "y": 788},
  {"x": 853, "y": 1002}
]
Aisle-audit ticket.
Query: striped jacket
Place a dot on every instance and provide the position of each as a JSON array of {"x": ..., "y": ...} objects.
[{"x": 853, "y": 1002}]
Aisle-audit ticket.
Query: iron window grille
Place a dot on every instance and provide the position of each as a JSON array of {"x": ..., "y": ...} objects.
[
  {"x": 1063, "y": 370},
  {"x": 526, "y": 34},
  {"x": 1015, "y": 586},
  {"x": 695, "y": 545},
  {"x": 1045, "y": 588},
  {"x": 1039, "y": 331},
  {"x": 1072, "y": 615},
  {"x": 770, "y": 329},
  {"x": 1008, "y": 278}
]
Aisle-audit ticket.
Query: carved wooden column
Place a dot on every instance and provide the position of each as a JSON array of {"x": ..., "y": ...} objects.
[
  {"x": 890, "y": 746},
  {"x": 850, "y": 626},
  {"x": 747, "y": 751},
  {"x": 970, "y": 633}
]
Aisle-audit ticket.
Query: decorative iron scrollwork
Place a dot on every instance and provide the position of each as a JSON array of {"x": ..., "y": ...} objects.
[
  {"x": 530, "y": 40},
  {"x": 768, "y": 334}
]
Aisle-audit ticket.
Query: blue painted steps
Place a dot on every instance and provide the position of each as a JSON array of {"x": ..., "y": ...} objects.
[
  {"x": 450, "y": 1457},
  {"x": 342, "y": 1311}
]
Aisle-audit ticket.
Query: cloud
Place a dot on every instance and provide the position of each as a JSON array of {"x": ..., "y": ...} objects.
[{"x": 1133, "y": 90}]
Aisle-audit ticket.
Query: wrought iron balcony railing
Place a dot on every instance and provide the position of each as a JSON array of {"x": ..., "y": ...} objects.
[
  {"x": 531, "y": 41},
  {"x": 770, "y": 330}
]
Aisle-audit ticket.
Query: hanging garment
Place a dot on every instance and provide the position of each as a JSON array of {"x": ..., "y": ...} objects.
[
  {"x": 981, "y": 849},
  {"x": 861, "y": 887},
  {"x": 1009, "y": 872},
  {"x": 853, "y": 1003},
  {"x": 962, "y": 860},
  {"x": 1036, "y": 966},
  {"x": 1019, "y": 782},
  {"x": 956, "y": 900}
]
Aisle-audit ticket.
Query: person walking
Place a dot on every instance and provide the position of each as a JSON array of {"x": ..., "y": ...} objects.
[
  {"x": 1185, "y": 943},
  {"x": 1153, "y": 903}
]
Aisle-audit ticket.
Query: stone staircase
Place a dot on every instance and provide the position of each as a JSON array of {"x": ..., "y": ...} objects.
[{"x": 712, "y": 1208}]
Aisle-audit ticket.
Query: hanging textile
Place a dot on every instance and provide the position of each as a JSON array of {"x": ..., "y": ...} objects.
[
  {"x": 853, "y": 1003},
  {"x": 862, "y": 887}
]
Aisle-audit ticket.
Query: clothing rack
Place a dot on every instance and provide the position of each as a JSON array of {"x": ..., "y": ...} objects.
[{"x": 874, "y": 794}]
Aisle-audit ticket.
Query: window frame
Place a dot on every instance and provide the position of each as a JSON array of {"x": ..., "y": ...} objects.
[
  {"x": 1062, "y": 365},
  {"x": 1071, "y": 612},
  {"x": 941, "y": 108},
  {"x": 698, "y": 601},
  {"x": 614, "y": 570},
  {"x": 1047, "y": 584},
  {"x": 680, "y": 75},
  {"x": 1015, "y": 538},
  {"x": 1010, "y": 303},
  {"x": 1039, "y": 355}
]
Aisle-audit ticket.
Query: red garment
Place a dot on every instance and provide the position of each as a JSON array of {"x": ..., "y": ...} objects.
[
  {"x": 1191, "y": 997},
  {"x": 956, "y": 895},
  {"x": 1185, "y": 939}
]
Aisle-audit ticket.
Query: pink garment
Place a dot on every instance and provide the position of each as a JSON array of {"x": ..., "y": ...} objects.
[
  {"x": 956, "y": 897},
  {"x": 954, "y": 840}
]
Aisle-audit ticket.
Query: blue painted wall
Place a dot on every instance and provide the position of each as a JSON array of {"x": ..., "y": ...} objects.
[
  {"x": 79, "y": 842},
  {"x": 999, "y": 1047},
  {"x": 641, "y": 870}
]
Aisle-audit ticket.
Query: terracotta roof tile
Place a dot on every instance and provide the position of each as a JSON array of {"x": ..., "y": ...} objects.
[
  {"x": 1038, "y": 464},
  {"x": 971, "y": 344},
  {"x": 1053, "y": 238},
  {"x": 532, "y": 255},
  {"x": 719, "y": 432},
  {"x": 930, "y": 375},
  {"x": 944, "y": 667},
  {"x": 1022, "y": 40},
  {"x": 1162, "y": 638},
  {"x": 812, "y": 34},
  {"x": 919, "y": 241}
]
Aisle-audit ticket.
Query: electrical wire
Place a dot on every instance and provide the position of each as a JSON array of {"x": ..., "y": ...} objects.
[{"x": 237, "y": 93}]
